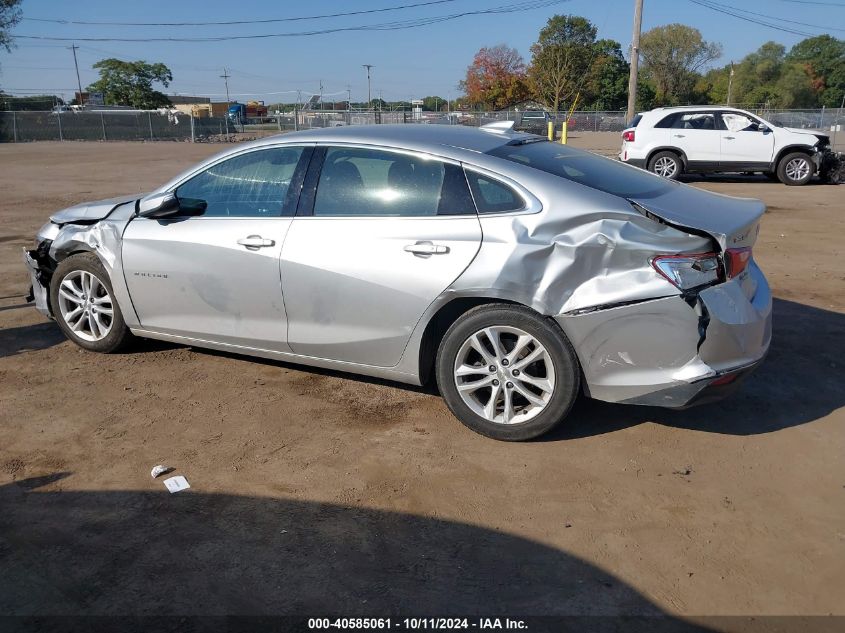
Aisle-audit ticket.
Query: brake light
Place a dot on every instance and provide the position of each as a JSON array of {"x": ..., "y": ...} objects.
[
  {"x": 688, "y": 271},
  {"x": 736, "y": 260},
  {"x": 628, "y": 135}
]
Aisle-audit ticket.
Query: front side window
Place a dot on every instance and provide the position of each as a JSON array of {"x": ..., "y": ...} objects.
[
  {"x": 695, "y": 121},
  {"x": 367, "y": 182},
  {"x": 254, "y": 184},
  {"x": 735, "y": 122}
]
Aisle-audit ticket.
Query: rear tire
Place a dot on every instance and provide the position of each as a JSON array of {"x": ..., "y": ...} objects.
[
  {"x": 83, "y": 303},
  {"x": 666, "y": 164},
  {"x": 795, "y": 169},
  {"x": 534, "y": 380}
]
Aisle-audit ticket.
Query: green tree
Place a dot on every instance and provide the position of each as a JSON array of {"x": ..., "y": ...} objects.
[
  {"x": 561, "y": 59},
  {"x": 496, "y": 78},
  {"x": 672, "y": 56},
  {"x": 434, "y": 103},
  {"x": 823, "y": 59},
  {"x": 606, "y": 86},
  {"x": 10, "y": 15},
  {"x": 131, "y": 83}
]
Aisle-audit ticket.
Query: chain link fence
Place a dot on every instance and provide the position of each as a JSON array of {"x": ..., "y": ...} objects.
[{"x": 164, "y": 126}]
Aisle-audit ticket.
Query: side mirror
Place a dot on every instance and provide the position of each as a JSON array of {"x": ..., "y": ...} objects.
[
  {"x": 762, "y": 127},
  {"x": 165, "y": 205}
]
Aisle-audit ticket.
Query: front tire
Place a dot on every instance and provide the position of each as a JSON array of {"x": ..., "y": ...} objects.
[
  {"x": 83, "y": 303},
  {"x": 507, "y": 372},
  {"x": 795, "y": 169},
  {"x": 666, "y": 164}
]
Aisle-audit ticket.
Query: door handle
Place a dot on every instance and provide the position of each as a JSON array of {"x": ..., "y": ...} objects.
[
  {"x": 426, "y": 248},
  {"x": 254, "y": 242},
  {"x": 730, "y": 138},
  {"x": 679, "y": 135}
]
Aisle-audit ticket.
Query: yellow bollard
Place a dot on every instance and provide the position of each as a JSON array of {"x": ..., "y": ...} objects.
[
  {"x": 563, "y": 132},
  {"x": 551, "y": 131}
]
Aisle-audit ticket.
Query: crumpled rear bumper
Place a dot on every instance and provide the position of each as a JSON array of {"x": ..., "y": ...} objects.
[
  {"x": 675, "y": 351},
  {"x": 38, "y": 289}
]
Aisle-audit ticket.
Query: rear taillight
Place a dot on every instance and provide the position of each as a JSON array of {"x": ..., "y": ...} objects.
[
  {"x": 628, "y": 136},
  {"x": 736, "y": 260},
  {"x": 688, "y": 271}
]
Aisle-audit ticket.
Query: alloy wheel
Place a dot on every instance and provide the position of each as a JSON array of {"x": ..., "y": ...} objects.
[
  {"x": 665, "y": 166},
  {"x": 504, "y": 374},
  {"x": 86, "y": 305},
  {"x": 797, "y": 169}
]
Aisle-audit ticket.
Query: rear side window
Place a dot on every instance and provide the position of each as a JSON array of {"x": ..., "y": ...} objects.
[
  {"x": 367, "y": 182},
  {"x": 492, "y": 196},
  {"x": 585, "y": 168},
  {"x": 695, "y": 121},
  {"x": 635, "y": 121},
  {"x": 667, "y": 121}
]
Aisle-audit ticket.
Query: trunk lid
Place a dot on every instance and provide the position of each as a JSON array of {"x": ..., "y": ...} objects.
[{"x": 732, "y": 222}]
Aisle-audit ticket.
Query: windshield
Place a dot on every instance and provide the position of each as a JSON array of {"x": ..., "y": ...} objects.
[{"x": 585, "y": 168}]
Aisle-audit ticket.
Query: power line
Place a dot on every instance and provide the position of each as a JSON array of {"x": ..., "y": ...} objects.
[
  {"x": 386, "y": 26},
  {"x": 772, "y": 17},
  {"x": 234, "y": 22},
  {"x": 823, "y": 4},
  {"x": 733, "y": 13}
]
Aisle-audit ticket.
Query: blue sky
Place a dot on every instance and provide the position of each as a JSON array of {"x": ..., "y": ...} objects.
[{"x": 407, "y": 63}]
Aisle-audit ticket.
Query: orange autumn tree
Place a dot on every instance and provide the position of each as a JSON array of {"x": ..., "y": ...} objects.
[{"x": 496, "y": 78}]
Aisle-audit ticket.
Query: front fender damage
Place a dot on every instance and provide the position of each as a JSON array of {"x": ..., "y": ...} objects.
[{"x": 102, "y": 238}]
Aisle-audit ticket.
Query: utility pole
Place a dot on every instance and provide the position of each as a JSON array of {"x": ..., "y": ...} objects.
[
  {"x": 348, "y": 97},
  {"x": 635, "y": 59},
  {"x": 73, "y": 47},
  {"x": 225, "y": 77},
  {"x": 369, "y": 97},
  {"x": 321, "y": 94},
  {"x": 730, "y": 83}
]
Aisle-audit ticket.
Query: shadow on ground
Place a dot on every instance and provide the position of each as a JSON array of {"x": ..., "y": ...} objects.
[
  {"x": 152, "y": 553},
  {"x": 29, "y": 338},
  {"x": 801, "y": 380}
]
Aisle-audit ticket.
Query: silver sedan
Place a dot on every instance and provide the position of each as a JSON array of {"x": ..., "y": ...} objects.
[{"x": 516, "y": 272}]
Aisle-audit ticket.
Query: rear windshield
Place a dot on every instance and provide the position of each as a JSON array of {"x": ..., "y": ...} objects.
[{"x": 585, "y": 168}]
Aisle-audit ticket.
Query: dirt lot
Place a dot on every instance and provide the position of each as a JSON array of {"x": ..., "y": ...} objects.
[{"x": 321, "y": 493}]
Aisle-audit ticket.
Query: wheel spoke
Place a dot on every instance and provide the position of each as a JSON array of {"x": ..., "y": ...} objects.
[
  {"x": 533, "y": 398},
  {"x": 493, "y": 336},
  {"x": 72, "y": 298},
  {"x": 470, "y": 370},
  {"x": 469, "y": 387},
  {"x": 490, "y": 407},
  {"x": 106, "y": 311},
  {"x": 520, "y": 345},
  {"x": 76, "y": 327},
  {"x": 102, "y": 327},
  {"x": 476, "y": 344},
  {"x": 67, "y": 284},
  {"x": 535, "y": 354},
  {"x": 93, "y": 326},
  {"x": 541, "y": 383},
  {"x": 93, "y": 286},
  {"x": 507, "y": 411}
]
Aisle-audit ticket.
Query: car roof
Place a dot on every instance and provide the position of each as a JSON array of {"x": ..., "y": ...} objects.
[{"x": 431, "y": 138}]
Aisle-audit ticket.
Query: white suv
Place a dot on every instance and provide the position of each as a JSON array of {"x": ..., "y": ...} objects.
[{"x": 706, "y": 139}]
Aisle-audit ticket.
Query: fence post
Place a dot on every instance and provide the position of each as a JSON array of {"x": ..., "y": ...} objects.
[
  {"x": 59, "y": 118},
  {"x": 14, "y": 127},
  {"x": 103, "y": 123},
  {"x": 150, "y": 121},
  {"x": 821, "y": 119},
  {"x": 279, "y": 122},
  {"x": 295, "y": 119},
  {"x": 193, "y": 136}
]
